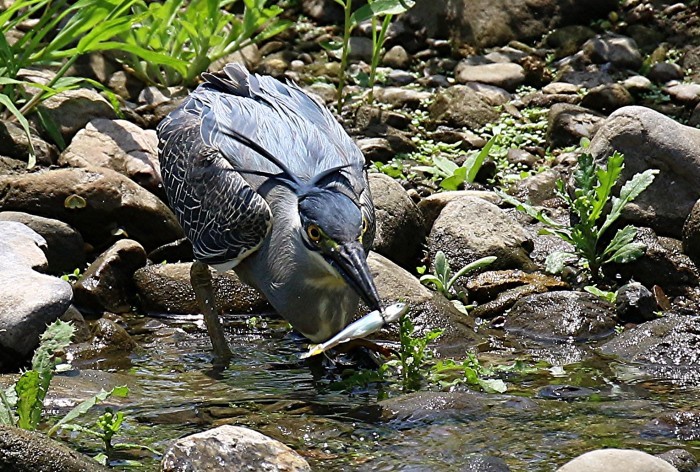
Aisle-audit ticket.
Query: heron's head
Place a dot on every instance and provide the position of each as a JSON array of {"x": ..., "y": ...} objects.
[{"x": 332, "y": 225}]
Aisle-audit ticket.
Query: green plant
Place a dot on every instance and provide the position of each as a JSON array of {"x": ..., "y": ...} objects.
[
  {"x": 606, "y": 295},
  {"x": 373, "y": 10},
  {"x": 71, "y": 276},
  {"x": 443, "y": 279},
  {"x": 592, "y": 192},
  {"x": 413, "y": 353},
  {"x": 194, "y": 34},
  {"x": 106, "y": 427},
  {"x": 454, "y": 176},
  {"x": 448, "y": 373}
]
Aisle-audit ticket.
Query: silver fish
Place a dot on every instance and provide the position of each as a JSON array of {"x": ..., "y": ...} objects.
[{"x": 365, "y": 326}]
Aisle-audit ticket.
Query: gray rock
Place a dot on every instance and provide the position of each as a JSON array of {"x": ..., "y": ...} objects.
[
  {"x": 504, "y": 75},
  {"x": 616, "y": 460},
  {"x": 103, "y": 203},
  {"x": 118, "y": 145},
  {"x": 231, "y": 448},
  {"x": 427, "y": 406},
  {"x": 396, "y": 57},
  {"x": 29, "y": 451},
  {"x": 14, "y": 144},
  {"x": 376, "y": 149},
  {"x": 568, "y": 40},
  {"x": 538, "y": 188},
  {"x": 432, "y": 205},
  {"x": 22, "y": 246},
  {"x": 607, "y": 98},
  {"x": 28, "y": 302},
  {"x": 664, "y": 348},
  {"x": 561, "y": 316},
  {"x": 471, "y": 228},
  {"x": 682, "y": 424},
  {"x": 360, "y": 49},
  {"x": 635, "y": 303},
  {"x": 681, "y": 459},
  {"x": 108, "y": 341},
  {"x": 460, "y": 106},
  {"x": 400, "y": 232},
  {"x": 71, "y": 110},
  {"x": 642, "y": 135},
  {"x": 399, "y": 97},
  {"x": 663, "y": 72},
  {"x": 400, "y": 77},
  {"x": 637, "y": 84},
  {"x": 567, "y": 124},
  {"x": 688, "y": 94},
  {"x": 620, "y": 51},
  {"x": 166, "y": 288},
  {"x": 494, "y": 95},
  {"x": 560, "y": 88},
  {"x": 323, "y": 11},
  {"x": 107, "y": 283},
  {"x": 65, "y": 248},
  {"x": 368, "y": 119}
]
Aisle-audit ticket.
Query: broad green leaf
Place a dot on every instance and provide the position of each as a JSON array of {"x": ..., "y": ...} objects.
[
  {"x": 628, "y": 253},
  {"x": 607, "y": 178},
  {"x": 623, "y": 237},
  {"x": 604, "y": 294},
  {"x": 442, "y": 267},
  {"x": 556, "y": 261},
  {"x": 29, "y": 400},
  {"x": 473, "y": 164},
  {"x": 493, "y": 385},
  {"x": 85, "y": 406},
  {"x": 628, "y": 193},
  {"x": 429, "y": 278},
  {"x": 380, "y": 8},
  {"x": 584, "y": 175},
  {"x": 455, "y": 180},
  {"x": 446, "y": 166}
]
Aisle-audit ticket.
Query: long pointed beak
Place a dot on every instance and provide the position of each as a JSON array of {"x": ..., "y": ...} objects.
[{"x": 351, "y": 260}]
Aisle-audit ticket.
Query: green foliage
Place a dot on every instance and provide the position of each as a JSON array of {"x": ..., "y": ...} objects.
[
  {"x": 606, "y": 295},
  {"x": 71, "y": 276},
  {"x": 413, "y": 353},
  {"x": 443, "y": 279},
  {"x": 448, "y": 373},
  {"x": 187, "y": 36},
  {"x": 454, "y": 176},
  {"x": 374, "y": 10},
  {"x": 592, "y": 193}
]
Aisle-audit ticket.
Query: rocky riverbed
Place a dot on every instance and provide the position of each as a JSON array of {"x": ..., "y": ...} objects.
[{"x": 621, "y": 376}]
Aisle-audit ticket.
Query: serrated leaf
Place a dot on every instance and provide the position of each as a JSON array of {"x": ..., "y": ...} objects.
[
  {"x": 623, "y": 237},
  {"x": 630, "y": 190},
  {"x": 556, "y": 261},
  {"x": 85, "y": 406},
  {"x": 607, "y": 178},
  {"x": 584, "y": 175},
  {"x": 628, "y": 253},
  {"x": 29, "y": 404}
]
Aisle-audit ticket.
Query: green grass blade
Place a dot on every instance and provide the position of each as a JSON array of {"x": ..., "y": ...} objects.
[
  {"x": 86, "y": 405},
  {"x": 7, "y": 103},
  {"x": 473, "y": 165}
]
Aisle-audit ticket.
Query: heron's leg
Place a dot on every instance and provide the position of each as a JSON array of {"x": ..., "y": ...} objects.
[{"x": 200, "y": 276}]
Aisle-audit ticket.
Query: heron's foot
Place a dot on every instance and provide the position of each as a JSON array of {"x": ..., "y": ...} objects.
[{"x": 200, "y": 276}]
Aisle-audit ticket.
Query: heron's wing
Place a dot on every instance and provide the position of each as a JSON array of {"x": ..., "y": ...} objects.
[
  {"x": 280, "y": 118},
  {"x": 223, "y": 217}
]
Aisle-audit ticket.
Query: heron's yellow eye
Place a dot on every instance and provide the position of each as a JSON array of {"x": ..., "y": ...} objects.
[
  {"x": 365, "y": 225},
  {"x": 314, "y": 233}
]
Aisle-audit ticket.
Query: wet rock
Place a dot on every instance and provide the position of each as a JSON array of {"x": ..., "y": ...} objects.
[
  {"x": 471, "y": 228},
  {"x": 428, "y": 309},
  {"x": 681, "y": 459},
  {"x": 484, "y": 463},
  {"x": 561, "y": 316},
  {"x": 691, "y": 234},
  {"x": 567, "y": 124},
  {"x": 396, "y": 57},
  {"x": 565, "y": 392},
  {"x": 642, "y": 135},
  {"x": 376, "y": 149},
  {"x": 683, "y": 425},
  {"x": 662, "y": 264},
  {"x": 497, "y": 291},
  {"x": 461, "y": 106},
  {"x": 29, "y": 451},
  {"x": 166, "y": 288},
  {"x": 635, "y": 303},
  {"x": 71, "y": 110},
  {"x": 663, "y": 72},
  {"x": 615, "y": 460},
  {"x": 118, "y": 145},
  {"x": 108, "y": 340},
  {"x": 107, "y": 283},
  {"x": 688, "y": 94},
  {"x": 14, "y": 144},
  {"x": 65, "y": 248},
  {"x": 538, "y": 188},
  {"x": 22, "y": 246},
  {"x": 427, "y": 406},
  {"x": 664, "y": 347},
  {"x": 400, "y": 97},
  {"x": 432, "y": 205},
  {"x": 100, "y": 203},
  {"x": 621, "y": 51},
  {"x": 82, "y": 331},
  {"x": 567, "y": 40},
  {"x": 400, "y": 231},
  {"x": 607, "y": 98},
  {"x": 504, "y": 75},
  {"x": 231, "y": 448},
  {"x": 360, "y": 49}
]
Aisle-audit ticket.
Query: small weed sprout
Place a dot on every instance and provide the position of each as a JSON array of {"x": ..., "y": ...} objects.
[
  {"x": 592, "y": 191},
  {"x": 414, "y": 353}
]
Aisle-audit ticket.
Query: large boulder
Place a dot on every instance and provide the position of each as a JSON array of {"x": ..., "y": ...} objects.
[
  {"x": 101, "y": 203},
  {"x": 471, "y": 228},
  {"x": 650, "y": 140},
  {"x": 495, "y": 22},
  {"x": 400, "y": 231},
  {"x": 231, "y": 448},
  {"x": 118, "y": 145},
  {"x": 29, "y": 451}
]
